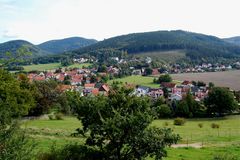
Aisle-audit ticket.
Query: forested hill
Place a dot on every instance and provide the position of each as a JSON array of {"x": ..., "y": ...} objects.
[
  {"x": 14, "y": 46},
  {"x": 196, "y": 45},
  {"x": 233, "y": 40},
  {"x": 67, "y": 44}
]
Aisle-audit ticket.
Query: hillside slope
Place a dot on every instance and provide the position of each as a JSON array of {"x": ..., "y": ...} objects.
[
  {"x": 233, "y": 40},
  {"x": 67, "y": 44},
  {"x": 196, "y": 45},
  {"x": 13, "y": 46}
]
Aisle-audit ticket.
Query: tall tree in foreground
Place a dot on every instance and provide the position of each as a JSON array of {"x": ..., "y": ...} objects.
[
  {"x": 15, "y": 101},
  {"x": 220, "y": 101},
  {"x": 118, "y": 126}
]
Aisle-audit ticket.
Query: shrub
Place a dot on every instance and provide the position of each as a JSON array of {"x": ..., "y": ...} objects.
[
  {"x": 179, "y": 121},
  {"x": 164, "y": 111},
  {"x": 214, "y": 125},
  {"x": 200, "y": 125},
  {"x": 225, "y": 157},
  {"x": 51, "y": 117},
  {"x": 72, "y": 151},
  {"x": 59, "y": 116},
  {"x": 166, "y": 124}
]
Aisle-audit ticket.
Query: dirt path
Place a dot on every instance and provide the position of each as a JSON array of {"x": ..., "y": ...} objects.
[{"x": 194, "y": 145}]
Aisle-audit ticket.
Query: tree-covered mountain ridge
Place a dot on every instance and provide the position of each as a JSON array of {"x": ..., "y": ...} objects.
[
  {"x": 233, "y": 40},
  {"x": 52, "y": 47},
  {"x": 195, "y": 45},
  {"x": 66, "y": 44}
]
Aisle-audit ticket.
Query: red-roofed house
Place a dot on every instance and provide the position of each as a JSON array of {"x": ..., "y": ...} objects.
[
  {"x": 95, "y": 91},
  {"x": 89, "y": 85},
  {"x": 104, "y": 89},
  {"x": 186, "y": 82},
  {"x": 155, "y": 72}
]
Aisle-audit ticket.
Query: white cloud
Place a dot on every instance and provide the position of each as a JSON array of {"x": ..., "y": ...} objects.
[{"x": 42, "y": 20}]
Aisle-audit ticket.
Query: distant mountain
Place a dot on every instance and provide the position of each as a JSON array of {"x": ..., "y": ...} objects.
[
  {"x": 67, "y": 44},
  {"x": 195, "y": 45},
  {"x": 233, "y": 40},
  {"x": 13, "y": 46}
]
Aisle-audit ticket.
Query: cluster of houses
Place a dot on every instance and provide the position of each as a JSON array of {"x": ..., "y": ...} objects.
[
  {"x": 80, "y": 80},
  {"x": 175, "y": 92},
  {"x": 201, "y": 68}
]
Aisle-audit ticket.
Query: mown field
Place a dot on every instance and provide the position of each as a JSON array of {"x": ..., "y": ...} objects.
[
  {"x": 203, "y": 143},
  {"x": 139, "y": 80},
  {"x": 226, "y": 79},
  {"x": 44, "y": 67},
  {"x": 166, "y": 56}
]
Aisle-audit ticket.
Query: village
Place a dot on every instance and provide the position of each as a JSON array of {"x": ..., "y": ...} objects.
[{"x": 89, "y": 82}]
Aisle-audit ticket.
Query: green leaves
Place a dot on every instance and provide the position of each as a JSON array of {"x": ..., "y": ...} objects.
[
  {"x": 119, "y": 126},
  {"x": 15, "y": 100},
  {"x": 220, "y": 100}
]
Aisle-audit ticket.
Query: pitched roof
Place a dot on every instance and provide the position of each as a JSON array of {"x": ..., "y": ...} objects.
[
  {"x": 104, "y": 87},
  {"x": 95, "y": 91},
  {"x": 155, "y": 72},
  {"x": 63, "y": 88},
  {"x": 89, "y": 85},
  {"x": 168, "y": 84},
  {"x": 186, "y": 82}
]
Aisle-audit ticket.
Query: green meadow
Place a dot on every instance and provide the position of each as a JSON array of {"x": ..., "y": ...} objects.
[
  {"x": 203, "y": 143},
  {"x": 50, "y": 66},
  {"x": 139, "y": 80}
]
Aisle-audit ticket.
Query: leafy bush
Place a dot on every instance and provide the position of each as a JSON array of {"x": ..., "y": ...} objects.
[
  {"x": 15, "y": 144},
  {"x": 166, "y": 124},
  {"x": 164, "y": 111},
  {"x": 214, "y": 125},
  {"x": 59, "y": 116},
  {"x": 200, "y": 125},
  {"x": 72, "y": 151},
  {"x": 164, "y": 78},
  {"x": 225, "y": 157},
  {"x": 51, "y": 117},
  {"x": 179, "y": 121}
]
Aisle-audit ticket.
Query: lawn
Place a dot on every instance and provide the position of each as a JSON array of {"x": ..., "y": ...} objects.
[
  {"x": 41, "y": 67},
  {"x": 225, "y": 140},
  {"x": 44, "y": 67},
  {"x": 77, "y": 65},
  {"x": 139, "y": 80},
  {"x": 166, "y": 56}
]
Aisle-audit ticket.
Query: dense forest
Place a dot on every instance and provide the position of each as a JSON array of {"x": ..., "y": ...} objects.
[
  {"x": 233, "y": 40},
  {"x": 195, "y": 45},
  {"x": 14, "y": 46},
  {"x": 67, "y": 44},
  {"x": 45, "y": 50}
]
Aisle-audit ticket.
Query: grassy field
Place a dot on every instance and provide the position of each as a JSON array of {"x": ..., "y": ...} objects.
[
  {"x": 167, "y": 56},
  {"x": 139, "y": 80},
  {"x": 225, "y": 140},
  {"x": 44, "y": 67},
  {"x": 226, "y": 79},
  {"x": 41, "y": 67},
  {"x": 76, "y": 65}
]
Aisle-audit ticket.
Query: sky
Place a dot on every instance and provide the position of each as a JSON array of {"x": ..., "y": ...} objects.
[{"x": 38, "y": 21}]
